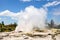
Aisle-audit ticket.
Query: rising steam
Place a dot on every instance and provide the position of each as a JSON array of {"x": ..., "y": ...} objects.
[{"x": 31, "y": 17}]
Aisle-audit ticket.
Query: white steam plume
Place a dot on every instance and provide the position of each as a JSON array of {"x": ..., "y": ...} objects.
[{"x": 31, "y": 17}]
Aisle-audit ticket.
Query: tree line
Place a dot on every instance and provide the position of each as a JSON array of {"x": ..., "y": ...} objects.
[
  {"x": 52, "y": 24},
  {"x": 11, "y": 27},
  {"x": 7, "y": 28}
]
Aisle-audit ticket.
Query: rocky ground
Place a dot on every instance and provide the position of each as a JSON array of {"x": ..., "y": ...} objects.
[{"x": 30, "y": 35}]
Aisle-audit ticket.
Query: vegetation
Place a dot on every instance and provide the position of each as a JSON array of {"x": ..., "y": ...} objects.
[
  {"x": 37, "y": 29},
  {"x": 11, "y": 27},
  {"x": 7, "y": 28},
  {"x": 53, "y": 25}
]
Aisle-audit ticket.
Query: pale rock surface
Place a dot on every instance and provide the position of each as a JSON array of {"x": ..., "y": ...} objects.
[{"x": 29, "y": 36}]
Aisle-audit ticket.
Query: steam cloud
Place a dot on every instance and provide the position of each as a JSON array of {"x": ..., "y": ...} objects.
[{"x": 31, "y": 17}]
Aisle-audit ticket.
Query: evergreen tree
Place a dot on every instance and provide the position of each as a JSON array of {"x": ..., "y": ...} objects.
[
  {"x": 2, "y": 22},
  {"x": 51, "y": 24},
  {"x": 15, "y": 24}
]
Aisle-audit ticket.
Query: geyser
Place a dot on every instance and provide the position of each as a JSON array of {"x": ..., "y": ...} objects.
[{"x": 31, "y": 17}]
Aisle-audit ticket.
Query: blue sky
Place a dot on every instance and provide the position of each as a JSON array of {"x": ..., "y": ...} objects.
[{"x": 18, "y": 5}]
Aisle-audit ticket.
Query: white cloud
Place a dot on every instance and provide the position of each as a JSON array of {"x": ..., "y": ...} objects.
[
  {"x": 53, "y": 0},
  {"x": 57, "y": 3},
  {"x": 56, "y": 11},
  {"x": 9, "y": 13},
  {"x": 54, "y": 3},
  {"x": 25, "y": 0},
  {"x": 6, "y": 13}
]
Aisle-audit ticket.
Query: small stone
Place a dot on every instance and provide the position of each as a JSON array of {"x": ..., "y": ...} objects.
[{"x": 25, "y": 37}]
